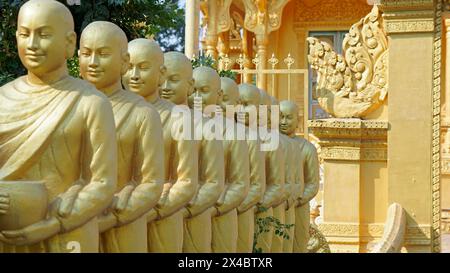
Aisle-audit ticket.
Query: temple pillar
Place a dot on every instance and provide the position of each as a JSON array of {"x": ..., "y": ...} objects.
[
  {"x": 354, "y": 153},
  {"x": 192, "y": 28},
  {"x": 211, "y": 34},
  {"x": 262, "y": 40},
  {"x": 445, "y": 134},
  {"x": 414, "y": 109}
]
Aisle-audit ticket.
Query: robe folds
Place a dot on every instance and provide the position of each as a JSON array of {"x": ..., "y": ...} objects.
[
  {"x": 275, "y": 186},
  {"x": 140, "y": 168},
  {"x": 308, "y": 166},
  {"x": 281, "y": 211},
  {"x": 237, "y": 182},
  {"x": 165, "y": 233},
  {"x": 211, "y": 175},
  {"x": 246, "y": 210},
  {"x": 64, "y": 136}
]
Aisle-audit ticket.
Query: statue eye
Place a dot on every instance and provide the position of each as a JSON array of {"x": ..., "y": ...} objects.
[
  {"x": 24, "y": 34},
  {"x": 45, "y": 35}
]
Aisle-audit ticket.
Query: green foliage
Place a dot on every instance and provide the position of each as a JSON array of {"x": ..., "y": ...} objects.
[
  {"x": 138, "y": 19},
  {"x": 268, "y": 224},
  {"x": 206, "y": 60},
  {"x": 10, "y": 66},
  {"x": 73, "y": 66}
]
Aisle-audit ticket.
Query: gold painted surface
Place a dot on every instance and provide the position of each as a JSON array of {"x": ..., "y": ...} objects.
[
  {"x": 58, "y": 130},
  {"x": 138, "y": 127}
]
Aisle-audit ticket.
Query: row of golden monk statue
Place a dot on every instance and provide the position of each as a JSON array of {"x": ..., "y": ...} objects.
[{"x": 93, "y": 162}]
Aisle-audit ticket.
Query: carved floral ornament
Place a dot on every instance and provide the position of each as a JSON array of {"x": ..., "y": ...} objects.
[
  {"x": 263, "y": 16},
  {"x": 353, "y": 84}
]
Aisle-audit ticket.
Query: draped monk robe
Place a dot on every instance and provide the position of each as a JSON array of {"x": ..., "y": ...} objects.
[
  {"x": 308, "y": 165},
  {"x": 293, "y": 187},
  {"x": 297, "y": 190},
  {"x": 246, "y": 210},
  {"x": 140, "y": 170},
  {"x": 165, "y": 234},
  {"x": 63, "y": 135},
  {"x": 198, "y": 223},
  {"x": 280, "y": 209},
  {"x": 275, "y": 179},
  {"x": 237, "y": 181}
]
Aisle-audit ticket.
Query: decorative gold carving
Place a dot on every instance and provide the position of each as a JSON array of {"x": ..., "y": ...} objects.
[
  {"x": 351, "y": 139},
  {"x": 317, "y": 242},
  {"x": 323, "y": 12},
  {"x": 339, "y": 229},
  {"x": 346, "y": 153},
  {"x": 263, "y": 16},
  {"x": 223, "y": 15},
  {"x": 435, "y": 168},
  {"x": 445, "y": 221},
  {"x": 411, "y": 4},
  {"x": 408, "y": 16},
  {"x": 418, "y": 25},
  {"x": 355, "y": 84},
  {"x": 346, "y": 233},
  {"x": 445, "y": 166}
]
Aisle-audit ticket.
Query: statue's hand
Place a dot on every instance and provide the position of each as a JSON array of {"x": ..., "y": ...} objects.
[
  {"x": 63, "y": 205},
  {"x": 106, "y": 222},
  {"x": 31, "y": 234},
  {"x": 121, "y": 199},
  {"x": 4, "y": 203},
  {"x": 68, "y": 200}
]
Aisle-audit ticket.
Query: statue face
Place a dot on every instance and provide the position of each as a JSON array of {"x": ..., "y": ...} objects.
[
  {"x": 249, "y": 100},
  {"x": 288, "y": 119},
  {"x": 42, "y": 40},
  {"x": 205, "y": 87},
  {"x": 178, "y": 84},
  {"x": 230, "y": 95},
  {"x": 101, "y": 60},
  {"x": 144, "y": 72}
]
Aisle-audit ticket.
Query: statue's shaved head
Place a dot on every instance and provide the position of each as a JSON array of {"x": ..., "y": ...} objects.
[
  {"x": 108, "y": 30},
  {"x": 49, "y": 9},
  {"x": 149, "y": 48}
]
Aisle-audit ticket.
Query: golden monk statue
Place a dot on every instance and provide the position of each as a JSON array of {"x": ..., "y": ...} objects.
[
  {"x": 57, "y": 130},
  {"x": 166, "y": 226},
  {"x": 178, "y": 86},
  {"x": 250, "y": 98},
  {"x": 104, "y": 59},
  {"x": 308, "y": 171},
  {"x": 246, "y": 210},
  {"x": 237, "y": 171},
  {"x": 286, "y": 211},
  {"x": 283, "y": 145}
]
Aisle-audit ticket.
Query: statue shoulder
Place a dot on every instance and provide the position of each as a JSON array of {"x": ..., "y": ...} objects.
[
  {"x": 146, "y": 110},
  {"x": 88, "y": 91}
]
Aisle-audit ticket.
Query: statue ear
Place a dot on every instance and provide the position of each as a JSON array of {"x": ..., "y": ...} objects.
[
  {"x": 191, "y": 83},
  {"x": 71, "y": 39},
  {"x": 125, "y": 62},
  {"x": 162, "y": 74}
]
